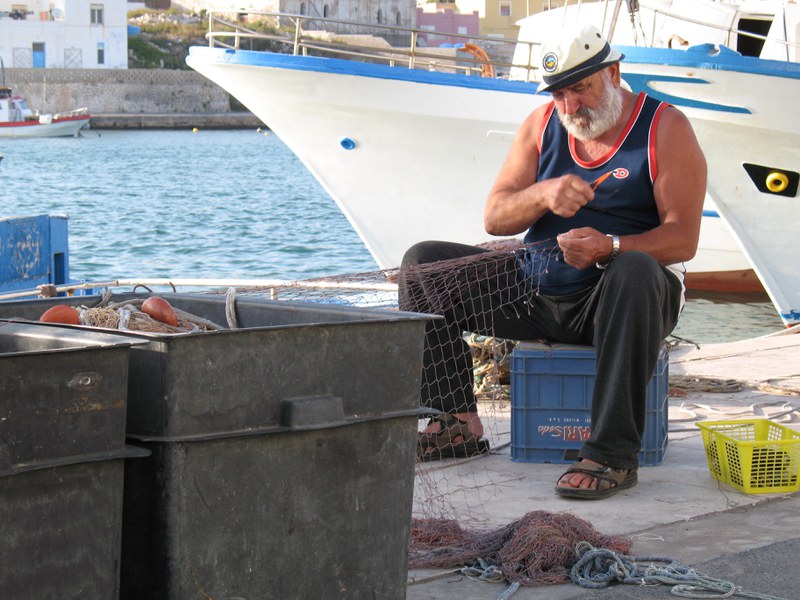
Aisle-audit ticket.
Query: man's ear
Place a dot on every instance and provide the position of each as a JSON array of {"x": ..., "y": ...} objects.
[{"x": 614, "y": 71}]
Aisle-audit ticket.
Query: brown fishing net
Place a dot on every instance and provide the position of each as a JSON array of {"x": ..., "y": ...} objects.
[{"x": 534, "y": 550}]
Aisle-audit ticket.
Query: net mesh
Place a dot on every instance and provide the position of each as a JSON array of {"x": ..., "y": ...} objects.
[{"x": 451, "y": 527}]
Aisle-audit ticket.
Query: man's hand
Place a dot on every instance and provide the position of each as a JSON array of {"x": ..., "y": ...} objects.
[
  {"x": 566, "y": 195},
  {"x": 584, "y": 247}
]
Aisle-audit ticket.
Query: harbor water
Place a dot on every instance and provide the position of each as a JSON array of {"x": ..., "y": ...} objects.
[{"x": 229, "y": 204}]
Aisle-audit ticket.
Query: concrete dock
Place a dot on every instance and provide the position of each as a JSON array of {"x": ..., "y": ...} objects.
[
  {"x": 226, "y": 120},
  {"x": 677, "y": 510}
]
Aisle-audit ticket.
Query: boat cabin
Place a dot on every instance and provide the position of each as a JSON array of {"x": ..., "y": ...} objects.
[{"x": 13, "y": 109}]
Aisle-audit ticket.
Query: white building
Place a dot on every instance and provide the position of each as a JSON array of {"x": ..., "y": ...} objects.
[{"x": 71, "y": 34}]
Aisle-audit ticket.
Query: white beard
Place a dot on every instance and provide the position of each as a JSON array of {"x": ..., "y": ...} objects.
[{"x": 591, "y": 123}]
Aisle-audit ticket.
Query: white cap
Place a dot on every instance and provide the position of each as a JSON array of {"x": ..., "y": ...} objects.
[{"x": 574, "y": 55}]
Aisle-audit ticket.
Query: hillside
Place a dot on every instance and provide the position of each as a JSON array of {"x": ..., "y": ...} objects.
[{"x": 164, "y": 38}]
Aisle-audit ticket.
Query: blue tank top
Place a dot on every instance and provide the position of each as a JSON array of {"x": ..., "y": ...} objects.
[{"x": 623, "y": 204}]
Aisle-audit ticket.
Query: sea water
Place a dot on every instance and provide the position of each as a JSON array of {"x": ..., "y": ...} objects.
[{"x": 228, "y": 204}]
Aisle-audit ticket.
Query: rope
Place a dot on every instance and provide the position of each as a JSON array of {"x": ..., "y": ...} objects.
[
  {"x": 484, "y": 572},
  {"x": 230, "y": 308},
  {"x": 491, "y": 574},
  {"x": 705, "y": 384},
  {"x": 598, "y": 567}
]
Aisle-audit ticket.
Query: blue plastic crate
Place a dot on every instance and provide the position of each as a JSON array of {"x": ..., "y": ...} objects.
[{"x": 551, "y": 402}]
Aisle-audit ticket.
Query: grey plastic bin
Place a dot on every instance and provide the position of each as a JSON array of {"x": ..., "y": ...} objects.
[
  {"x": 282, "y": 460},
  {"x": 62, "y": 444}
]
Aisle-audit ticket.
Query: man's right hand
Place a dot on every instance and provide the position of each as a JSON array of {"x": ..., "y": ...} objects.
[{"x": 566, "y": 195}]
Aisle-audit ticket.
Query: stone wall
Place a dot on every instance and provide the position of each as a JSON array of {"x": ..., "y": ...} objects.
[{"x": 118, "y": 91}]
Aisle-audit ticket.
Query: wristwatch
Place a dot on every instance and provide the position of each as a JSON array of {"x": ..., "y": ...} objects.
[{"x": 614, "y": 252}]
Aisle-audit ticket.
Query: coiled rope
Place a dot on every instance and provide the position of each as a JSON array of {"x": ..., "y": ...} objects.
[{"x": 598, "y": 567}]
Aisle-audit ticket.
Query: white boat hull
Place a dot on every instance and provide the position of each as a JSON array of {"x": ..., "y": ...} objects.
[
  {"x": 410, "y": 159},
  {"x": 57, "y": 128}
]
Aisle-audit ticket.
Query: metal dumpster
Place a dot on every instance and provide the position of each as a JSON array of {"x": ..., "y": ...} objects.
[
  {"x": 282, "y": 452},
  {"x": 62, "y": 444}
]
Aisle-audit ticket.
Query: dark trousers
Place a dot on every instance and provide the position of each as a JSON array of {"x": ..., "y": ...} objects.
[{"x": 626, "y": 316}]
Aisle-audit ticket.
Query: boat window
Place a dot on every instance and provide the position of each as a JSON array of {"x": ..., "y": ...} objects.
[{"x": 750, "y": 46}]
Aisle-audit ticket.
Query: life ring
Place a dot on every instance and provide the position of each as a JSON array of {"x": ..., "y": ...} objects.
[
  {"x": 487, "y": 70},
  {"x": 777, "y": 182}
]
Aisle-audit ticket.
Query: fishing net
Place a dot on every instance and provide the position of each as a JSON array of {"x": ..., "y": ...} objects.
[
  {"x": 129, "y": 316},
  {"x": 534, "y": 550},
  {"x": 450, "y": 528}
]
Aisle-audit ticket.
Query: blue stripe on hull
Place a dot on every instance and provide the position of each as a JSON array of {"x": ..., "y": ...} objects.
[{"x": 698, "y": 57}]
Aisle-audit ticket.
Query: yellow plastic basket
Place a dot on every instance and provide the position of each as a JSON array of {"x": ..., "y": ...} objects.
[{"x": 756, "y": 456}]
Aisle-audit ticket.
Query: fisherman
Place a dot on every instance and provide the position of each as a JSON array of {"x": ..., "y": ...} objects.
[{"x": 609, "y": 186}]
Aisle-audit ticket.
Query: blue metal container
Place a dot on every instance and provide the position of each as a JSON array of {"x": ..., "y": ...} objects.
[{"x": 33, "y": 251}]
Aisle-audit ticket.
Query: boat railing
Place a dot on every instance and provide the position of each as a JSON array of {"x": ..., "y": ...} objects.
[
  {"x": 729, "y": 30},
  {"x": 77, "y": 112},
  {"x": 306, "y": 34},
  {"x": 397, "y": 45}
]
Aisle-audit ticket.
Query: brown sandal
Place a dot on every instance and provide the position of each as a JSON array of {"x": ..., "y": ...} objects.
[
  {"x": 609, "y": 481},
  {"x": 443, "y": 444}
]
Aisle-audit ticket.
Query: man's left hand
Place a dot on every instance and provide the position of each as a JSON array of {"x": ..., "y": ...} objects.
[{"x": 584, "y": 247}]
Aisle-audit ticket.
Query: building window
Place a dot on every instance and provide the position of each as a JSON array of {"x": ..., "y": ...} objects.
[
  {"x": 325, "y": 10},
  {"x": 380, "y": 16},
  {"x": 101, "y": 53},
  {"x": 303, "y": 8},
  {"x": 22, "y": 58},
  {"x": 397, "y": 19},
  {"x": 505, "y": 9},
  {"x": 73, "y": 58},
  {"x": 96, "y": 14}
]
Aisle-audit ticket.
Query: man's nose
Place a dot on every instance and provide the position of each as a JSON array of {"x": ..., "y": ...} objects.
[{"x": 571, "y": 103}]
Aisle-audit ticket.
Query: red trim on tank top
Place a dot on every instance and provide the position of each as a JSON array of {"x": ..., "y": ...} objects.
[
  {"x": 651, "y": 141},
  {"x": 545, "y": 120},
  {"x": 637, "y": 110}
]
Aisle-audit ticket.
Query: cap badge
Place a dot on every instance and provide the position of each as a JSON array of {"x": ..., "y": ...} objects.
[{"x": 550, "y": 62}]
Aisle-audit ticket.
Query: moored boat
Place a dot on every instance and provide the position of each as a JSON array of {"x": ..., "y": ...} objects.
[
  {"x": 17, "y": 120},
  {"x": 410, "y": 153}
]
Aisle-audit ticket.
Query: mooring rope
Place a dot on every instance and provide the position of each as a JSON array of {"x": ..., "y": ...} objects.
[
  {"x": 230, "y": 308},
  {"x": 598, "y": 567}
]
